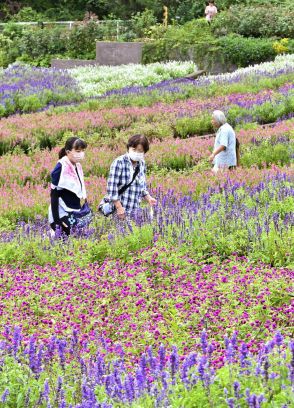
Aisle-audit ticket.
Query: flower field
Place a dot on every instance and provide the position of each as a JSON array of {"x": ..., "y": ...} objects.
[{"x": 191, "y": 306}]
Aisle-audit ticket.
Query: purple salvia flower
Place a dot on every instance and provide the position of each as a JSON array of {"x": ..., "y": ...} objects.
[
  {"x": 46, "y": 390},
  {"x": 161, "y": 357},
  {"x": 58, "y": 389},
  {"x": 174, "y": 362},
  {"x": 141, "y": 381},
  {"x": 151, "y": 359},
  {"x": 210, "y": 349},
  {"x": 279, "y": 339},
  {"x": 83, "y": 366},
  {"x": 109, "y": 385},
  {"x": 229, "y": 353},
  {"x": 130, "y": 388},
  {"x": 4, "y": 396},
  {"x": 38, "y": 367},
  {"x": 143, "y": 364},
  {"x": 61, "y": 345},
  {"x": 230, "y": 402},
  {"x": 236, "y": 387},
  {"x": 203, "y": 341},
  {"x": 51, "y": 347},
  {"x": 16, "y": 340},
  {"x": 202, "y": 367},
  {"x": 189, "y": 361},
  {"x": 74, "y": 342},
  {"x": 234, "y": 340},
  {"x": 32, "y": 354},
  {"x": 118, "y": 383},
  {"x": 266, "y": 368},
  {"x": 99, "y": 369}
]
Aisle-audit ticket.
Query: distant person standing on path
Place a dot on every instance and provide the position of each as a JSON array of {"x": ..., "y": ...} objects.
[
  {"x": 210, "y": 11},
  {"x": 224, "y": 155}
]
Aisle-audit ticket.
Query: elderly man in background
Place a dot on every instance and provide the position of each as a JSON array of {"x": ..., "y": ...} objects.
[{"x": 224, "y": 155}]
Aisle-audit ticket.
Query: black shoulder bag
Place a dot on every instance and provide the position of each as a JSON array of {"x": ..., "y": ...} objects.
[{"x": 106, "y": 207}]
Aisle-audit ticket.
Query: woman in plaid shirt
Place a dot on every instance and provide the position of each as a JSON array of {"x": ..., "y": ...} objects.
[{"x": 121, "y": 173}]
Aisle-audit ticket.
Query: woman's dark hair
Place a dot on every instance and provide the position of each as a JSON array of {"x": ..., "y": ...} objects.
[
  {"x": 72, "y": 143},
  {"x": 137, "y": 140}
]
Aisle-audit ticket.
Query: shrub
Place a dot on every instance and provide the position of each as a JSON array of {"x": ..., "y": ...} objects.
[
  {"x": 9, "y": 44},
  {"x": 178, "y": 42},
  {"x": 190, "y": 126},
  {"x": 141, "y": 23},
  {"x": 37, "y": 44},
  {"x": 246, "y": 51},
  {"x": 267, "y": 154},
  {"x": 27, "y": 14},
  {"x": 257, "y": 21}
]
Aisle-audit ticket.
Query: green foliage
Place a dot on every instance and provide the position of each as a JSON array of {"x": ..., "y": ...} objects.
[
  {"x": 267, "y": 154},
  {"x": 9, "y": 44},
  {"x": 188, "y": 10},
  {"x": 200, "y": 125},
  {"x": 246, "y": 51},
  {"x": 39, "y": 250},
  {"x": 257, "y": 21},
  {"x": 81, "y": 41},
  {"x": 141, "y": 23},
  {"x": 37, "y": 46},
  {"x": 18, "y": 378},
  {"x": 27, "y": 14},
  {"x": 178, "y": 42}
]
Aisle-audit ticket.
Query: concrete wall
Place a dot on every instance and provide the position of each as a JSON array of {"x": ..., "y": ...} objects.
[
  {"x": 118, "y": 53},
  {"x": 71, "y": 63},
  {"x": 107, "y": 53}
]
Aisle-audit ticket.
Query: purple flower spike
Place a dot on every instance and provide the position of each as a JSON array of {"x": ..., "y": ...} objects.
[
  {"x": 279, "y": 339},
  {"x": 174, "y": 361},
  {"x": 16, "y": 340},
  {"x": 203, "y": 341},
  {"x": 4, "y": 396}
]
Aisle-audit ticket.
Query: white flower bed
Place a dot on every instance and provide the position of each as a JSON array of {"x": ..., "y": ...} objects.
[
  {"x": 283, "y": 64},
  {"x": 95, "y": 81}
]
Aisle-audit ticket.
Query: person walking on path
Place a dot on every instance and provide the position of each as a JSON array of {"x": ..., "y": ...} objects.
[{"x": 224, "y": 155}]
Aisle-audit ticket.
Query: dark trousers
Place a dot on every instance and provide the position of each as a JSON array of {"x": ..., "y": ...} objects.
[{"x": 65, "y": 230}]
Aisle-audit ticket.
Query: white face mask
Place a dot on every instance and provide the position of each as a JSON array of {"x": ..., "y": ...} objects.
[
  {"x": 78, "y": 156},
  {"x": 136, "y": 156}
]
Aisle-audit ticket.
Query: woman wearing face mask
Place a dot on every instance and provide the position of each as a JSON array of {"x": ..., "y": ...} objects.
[
  {"x": 67, "y": 185},
  {"x": 130, "y": 166}
]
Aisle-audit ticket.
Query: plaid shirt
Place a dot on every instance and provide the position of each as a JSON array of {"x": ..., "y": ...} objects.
[{"x": 121, "y": 173}]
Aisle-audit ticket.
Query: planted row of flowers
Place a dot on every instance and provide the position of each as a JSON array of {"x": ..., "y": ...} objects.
[
  {"x": 25, "y": 198},
  {"x": 28, "y": 89},
  {"x": 184, "y": 118},
  {"x": 97, "y": 80},
  {"x": 230, "y": 218},
  {"x": 177, "y": 154},
  {"x": 78, "y": 373},
  {"x": 256, "y": 77}
]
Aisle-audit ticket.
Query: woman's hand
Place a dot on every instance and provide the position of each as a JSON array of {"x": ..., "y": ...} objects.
[
  {"x": 121, "y": 213},
  {"x": 151, "y": 201}
]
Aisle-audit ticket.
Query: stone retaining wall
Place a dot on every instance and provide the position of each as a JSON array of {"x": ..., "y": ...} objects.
[{"x": 107, "y": 53}]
